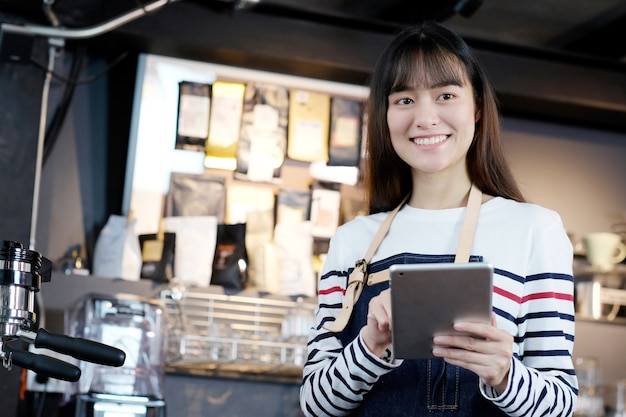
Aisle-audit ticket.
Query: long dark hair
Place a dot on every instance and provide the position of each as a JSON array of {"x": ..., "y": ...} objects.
[{"x": 423, "y": 55}]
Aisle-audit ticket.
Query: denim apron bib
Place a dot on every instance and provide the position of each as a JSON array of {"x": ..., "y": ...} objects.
[{"x": 420, "y": 387}]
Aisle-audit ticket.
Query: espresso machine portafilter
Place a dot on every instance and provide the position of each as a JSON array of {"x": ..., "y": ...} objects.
[{"x": 21, "y": 273}]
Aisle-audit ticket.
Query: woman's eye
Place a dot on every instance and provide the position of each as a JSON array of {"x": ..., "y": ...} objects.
[
  {"x": 404, "y": 100},
  {"x": 446, "y": 96}
]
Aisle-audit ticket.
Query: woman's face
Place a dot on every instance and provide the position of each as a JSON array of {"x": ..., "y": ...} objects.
[{"x": 432, "y": 127}]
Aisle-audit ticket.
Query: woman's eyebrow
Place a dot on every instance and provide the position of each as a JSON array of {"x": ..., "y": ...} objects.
[
  {"x": 439, "y": 84},
  {"x": 399, "y": 88},
  {"x": 447, "y": 82}
]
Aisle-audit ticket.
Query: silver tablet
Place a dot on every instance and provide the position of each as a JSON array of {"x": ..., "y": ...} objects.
[{"x": 426, "y": 299}]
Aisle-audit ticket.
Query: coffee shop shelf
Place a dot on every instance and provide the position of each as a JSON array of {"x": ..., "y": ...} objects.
[
  {"x": 212, "y": 331},
  {"x": 242, "y": 335},
  {"x": 600, "y": 296}
]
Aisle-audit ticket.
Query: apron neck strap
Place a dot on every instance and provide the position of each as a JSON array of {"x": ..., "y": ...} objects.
[
  {"x": 469, "y": 225},
  {"x": 466, "y": 238}
]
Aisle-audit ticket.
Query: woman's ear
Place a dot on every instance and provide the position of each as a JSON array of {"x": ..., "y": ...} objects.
[{"x": 477, "y": 116}]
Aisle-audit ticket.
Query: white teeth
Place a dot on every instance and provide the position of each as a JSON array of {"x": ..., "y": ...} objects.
[{"x": 430, "y": 141}]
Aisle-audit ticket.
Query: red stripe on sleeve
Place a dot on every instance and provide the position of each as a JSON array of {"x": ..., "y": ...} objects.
[
  {"x": 331, "y": 290},
  {"x": 535, "y": 296},
  {"x": 556, "y": 295},
  {"x": 507, "y": 294}
]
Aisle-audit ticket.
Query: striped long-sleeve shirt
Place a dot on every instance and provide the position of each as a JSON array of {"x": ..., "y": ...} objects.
[{"x": 532, "y": 298}]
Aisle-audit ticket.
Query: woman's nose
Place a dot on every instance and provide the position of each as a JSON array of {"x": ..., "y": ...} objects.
[{"x": 426, "y": 114}]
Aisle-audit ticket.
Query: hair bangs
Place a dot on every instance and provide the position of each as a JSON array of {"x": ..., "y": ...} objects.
[{"x": 428, "y": 66}]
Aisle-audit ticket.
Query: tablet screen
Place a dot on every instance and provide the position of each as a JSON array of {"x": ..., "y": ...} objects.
[{"x": 427, "y": 298}]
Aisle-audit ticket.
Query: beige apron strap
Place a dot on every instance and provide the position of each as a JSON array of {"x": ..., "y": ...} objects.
[
  {"x": 465, "y": 240},
  {"x": 357, "y": 277},
  {"x": 356, "y": 280}
]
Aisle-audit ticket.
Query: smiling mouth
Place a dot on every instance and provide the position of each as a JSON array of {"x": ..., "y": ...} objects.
[{"x": 430, "y": 141}]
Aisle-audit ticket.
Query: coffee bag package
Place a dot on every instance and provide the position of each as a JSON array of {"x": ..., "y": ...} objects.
[
  {"x": 192, "y": 124},
  {"x": 230, "y": 263},
  {"x": 345, "y": 132},
  {"x": 309, "y": 114},
  {"x": 292, "y": 206},
  {"x": 196, "y": 238},
  {"x": 224, "y": 125},
  {"x": 157, "y": 254},
  {"x": 325, "y": 209},
  {"x": 196, "y": 195},
  {"x": 263, "y": 137}
]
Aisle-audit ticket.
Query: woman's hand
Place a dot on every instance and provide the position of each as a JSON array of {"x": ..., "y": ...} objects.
[
  {"x": 486, "y": 351},
  {"x": 377, "y": 332}
]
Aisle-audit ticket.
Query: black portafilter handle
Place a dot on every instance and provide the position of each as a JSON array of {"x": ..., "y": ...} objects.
[
  {"x": 45, "y": 365},
  {"x": 83, "y": 349}
]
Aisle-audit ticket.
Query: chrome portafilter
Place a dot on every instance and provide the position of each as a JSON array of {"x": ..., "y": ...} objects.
[
  {"x": 20, "y": 279},
  {"x": 21, "y": 273}
]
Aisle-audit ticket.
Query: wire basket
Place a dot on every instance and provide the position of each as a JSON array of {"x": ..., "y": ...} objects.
[{"x": 213, "y": 332}]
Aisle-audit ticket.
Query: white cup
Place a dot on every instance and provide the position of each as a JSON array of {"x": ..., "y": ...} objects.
[{"x": 604, "y": 250}]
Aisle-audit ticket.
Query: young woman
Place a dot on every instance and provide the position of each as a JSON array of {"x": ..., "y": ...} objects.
[{"x": 433, "y": 137}]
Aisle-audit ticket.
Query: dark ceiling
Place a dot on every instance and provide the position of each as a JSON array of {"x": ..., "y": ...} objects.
[
  {"x": 595, "y": 28},
  {"x": 561, "y": 59},
  {"x": 589, "y": 27}
]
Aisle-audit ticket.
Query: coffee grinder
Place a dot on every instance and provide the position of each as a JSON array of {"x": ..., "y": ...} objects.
[{"x": 137, "y": 326}]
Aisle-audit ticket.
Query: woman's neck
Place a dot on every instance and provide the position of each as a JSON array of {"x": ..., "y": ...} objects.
[{"x": 442, "y": 195}]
